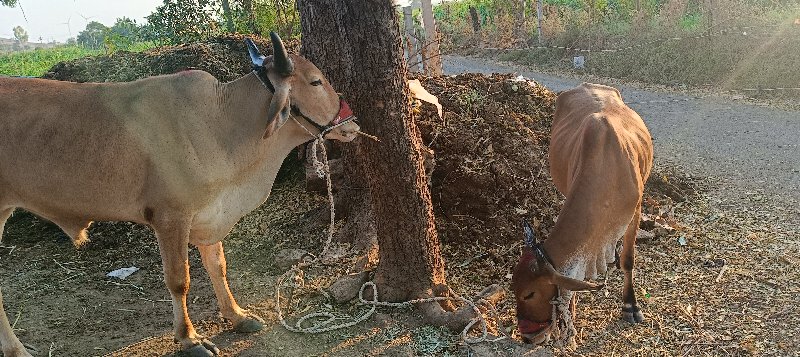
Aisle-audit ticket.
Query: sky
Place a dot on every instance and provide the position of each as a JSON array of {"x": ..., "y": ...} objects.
[{"x": 48, "y": 18}]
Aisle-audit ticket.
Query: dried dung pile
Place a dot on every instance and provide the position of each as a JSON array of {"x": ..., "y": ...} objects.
[
  {"x": 224, "y": 57},
  {"x": 491, "y": 156}
]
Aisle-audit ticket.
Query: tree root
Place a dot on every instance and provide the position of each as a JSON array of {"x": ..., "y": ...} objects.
[
  {"x": 347, "y": 287},
  {"x": 456, "y": 319}
]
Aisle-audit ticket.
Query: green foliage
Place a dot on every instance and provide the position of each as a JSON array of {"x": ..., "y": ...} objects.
[
  {"x": 9, "y": 3},
  {"x": 37, "y": 62},
  {"x": 691, "y": 21},
  {"x": 570, "y": 4},
  {"x": 182, "y": 21},
  {"x": 275, "y": 15},
  {"x": 126, "y": 34}
]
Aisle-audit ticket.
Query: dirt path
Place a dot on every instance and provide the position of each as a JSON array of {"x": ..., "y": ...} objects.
[{"x": 751, "y": 151}]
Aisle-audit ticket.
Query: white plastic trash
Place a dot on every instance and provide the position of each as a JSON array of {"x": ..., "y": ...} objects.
[
  {"x": 122, "y": 273},
  {"x": 578, "y": 61}
]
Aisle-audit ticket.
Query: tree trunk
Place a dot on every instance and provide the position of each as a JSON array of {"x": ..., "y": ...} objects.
[
  {"x": 329, "y": 49},
  {"x": 410, "y": 39},
  {"x": 247, "y": 7},
  {"x": 226, "y": 12},
  {"x": 476, "y": 22},
  {"x": 358, "y": 45},
  {"x": 430, "y": 50},
  {"x": 539, "y": 17},
  {"x": 519, "y": 22}
]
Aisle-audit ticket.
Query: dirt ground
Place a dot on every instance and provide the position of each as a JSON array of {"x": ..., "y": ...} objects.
[{"x": 711, "y": 281}]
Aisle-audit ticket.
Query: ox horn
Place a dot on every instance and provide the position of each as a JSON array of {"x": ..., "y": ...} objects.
[
  {"x": 567, "y": 283},
  {"x": 255, "y": 55},
  {"x": 283, "y": 64}
]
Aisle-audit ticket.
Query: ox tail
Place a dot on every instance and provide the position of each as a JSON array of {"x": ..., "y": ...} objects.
[
  {"x": 76, "y": 230},
  {"x": 81, "y": 238}
]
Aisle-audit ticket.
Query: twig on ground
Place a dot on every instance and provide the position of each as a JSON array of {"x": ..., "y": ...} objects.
[
  {"x": 69, "y": 271},
  {"x": 721, "y": 271},
  {"x": 19, "y": 314}
]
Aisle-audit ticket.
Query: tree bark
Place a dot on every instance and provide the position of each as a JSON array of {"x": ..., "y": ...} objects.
[{"x": 357, "y": 44}]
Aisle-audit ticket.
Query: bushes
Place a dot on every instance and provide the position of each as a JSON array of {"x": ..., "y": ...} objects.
[{"x": 741, "y": 46}]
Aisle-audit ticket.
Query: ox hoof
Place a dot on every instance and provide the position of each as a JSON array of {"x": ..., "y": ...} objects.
[
  {"x": 17, "y": 352},
  {"x": 206, "y": 349},
  {"x": 249, "y": 325},
  {"x": 632, "y": 314}
]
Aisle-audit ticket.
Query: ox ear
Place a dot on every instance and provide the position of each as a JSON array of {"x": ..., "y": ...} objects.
[
  {"x": 279, "y": 108},
  {"x": 255, "y": 55},
  {"x": 280, "y": 59},
  {"x": 567, "y": 283},
  {"x": 530, "y": 236}
]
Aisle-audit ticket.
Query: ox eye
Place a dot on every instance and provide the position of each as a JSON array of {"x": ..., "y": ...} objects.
[
  {"x": 528, "y": 296},
  {"x": 318, "y": 82}
]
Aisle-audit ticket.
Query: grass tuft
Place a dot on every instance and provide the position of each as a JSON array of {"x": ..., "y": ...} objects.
[{"x": 37, "y": 62}]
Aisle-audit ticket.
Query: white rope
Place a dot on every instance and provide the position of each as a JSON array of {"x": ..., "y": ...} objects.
[
  {"x": 328, "y": 325},
  {"x": 323, "y": 170},
  {"x": 563, "y": 328}
]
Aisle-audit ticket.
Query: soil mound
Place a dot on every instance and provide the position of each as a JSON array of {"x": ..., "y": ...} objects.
[
  {"x": 491, "y": 156},
  {"x": 225, "y": 57}
]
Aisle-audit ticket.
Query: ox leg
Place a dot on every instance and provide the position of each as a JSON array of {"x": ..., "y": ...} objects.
[
  {"x": 9, "y": 343},
  {"x": 173, "y": 243},
  {"x": 214, "y": 261},
  {"x": 630, "y": 310}
]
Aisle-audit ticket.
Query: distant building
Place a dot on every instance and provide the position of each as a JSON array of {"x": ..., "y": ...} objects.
[{"x": 11, "y": 45}]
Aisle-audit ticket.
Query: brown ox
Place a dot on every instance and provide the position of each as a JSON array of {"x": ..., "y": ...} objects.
[
  {"x": 183, "y": 153},
  {"x": 600, "y": 157}
]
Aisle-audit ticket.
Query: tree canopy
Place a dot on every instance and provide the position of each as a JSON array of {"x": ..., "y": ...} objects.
[
  {"x": 20, "y": 34},
  {"x": 178, "y": 21},
  {"x": 93, "y": 36}
]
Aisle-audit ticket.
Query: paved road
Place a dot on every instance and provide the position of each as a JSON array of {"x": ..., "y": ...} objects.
[{"x": 752, "y": 150}]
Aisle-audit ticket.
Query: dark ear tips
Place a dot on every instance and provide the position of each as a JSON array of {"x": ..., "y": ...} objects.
[
  {"x": 255, "y": 55},
  {"x": 530, "y": 236}
]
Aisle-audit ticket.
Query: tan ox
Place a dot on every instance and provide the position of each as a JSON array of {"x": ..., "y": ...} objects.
[
  {"x": 601, "y": 154},
  {"x": 183, "y": 153}
]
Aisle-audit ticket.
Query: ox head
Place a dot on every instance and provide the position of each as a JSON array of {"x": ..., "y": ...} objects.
[
  {"x": 299, "y": 88},
  {"x": 536, "y": 283}
]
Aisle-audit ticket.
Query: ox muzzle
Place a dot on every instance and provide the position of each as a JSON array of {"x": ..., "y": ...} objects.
[
  {"x": 534, "y": 332},
  {"x": 344, "y": 116}
]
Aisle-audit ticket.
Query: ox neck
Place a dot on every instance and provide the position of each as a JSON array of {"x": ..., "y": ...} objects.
[{"x": 246, "y": 102}]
